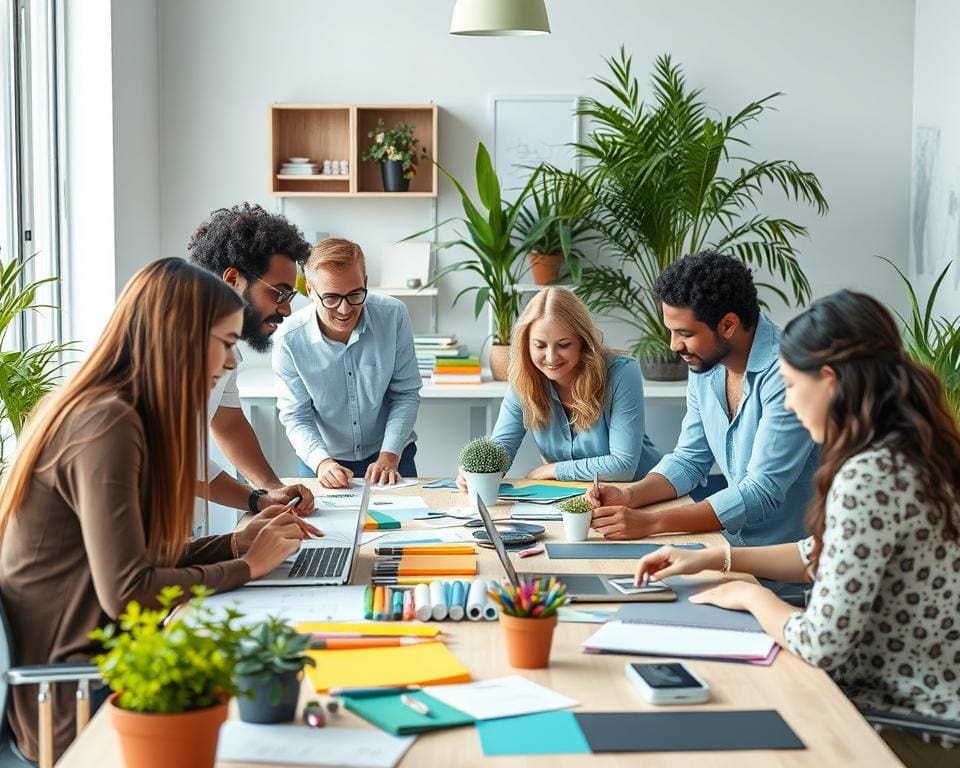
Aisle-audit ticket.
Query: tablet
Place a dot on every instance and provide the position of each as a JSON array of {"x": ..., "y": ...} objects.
[{"x": 627, "y": 587}]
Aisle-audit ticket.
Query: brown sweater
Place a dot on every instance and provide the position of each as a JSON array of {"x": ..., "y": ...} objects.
[{"x": 75, "y": 554}]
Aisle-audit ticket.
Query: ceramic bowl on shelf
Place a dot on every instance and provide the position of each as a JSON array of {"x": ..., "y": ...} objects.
[{"x": 298, "y": 159}]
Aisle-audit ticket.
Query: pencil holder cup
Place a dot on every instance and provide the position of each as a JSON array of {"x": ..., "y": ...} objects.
[
  {"x": 486, "y": 485},
  {"x": 528, "y": 640}
]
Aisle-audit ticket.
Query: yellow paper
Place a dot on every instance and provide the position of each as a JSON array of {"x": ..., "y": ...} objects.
[
  {"x": 425, "y": 664},
  {"x": 377, "y": 628}
]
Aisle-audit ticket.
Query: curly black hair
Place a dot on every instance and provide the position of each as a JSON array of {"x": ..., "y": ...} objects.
[
  {"x": 245, "y": 237},
  {"x": 711, "y": 284}
]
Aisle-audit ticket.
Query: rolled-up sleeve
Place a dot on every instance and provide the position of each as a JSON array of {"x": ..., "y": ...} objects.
[
  {"x": 509, "y": 430},
  {"x": 295, "y": 409},
  {"x": 689, "y": 464},
  {"x": 780, "y": 451},
  {"x": 403, "y": 392}
]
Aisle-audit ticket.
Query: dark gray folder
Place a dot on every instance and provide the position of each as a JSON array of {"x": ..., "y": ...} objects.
[
  {"x": 683, "y": 613},
  {"x": 597, "y": 550},
  {"x": 686, "y": 731}
]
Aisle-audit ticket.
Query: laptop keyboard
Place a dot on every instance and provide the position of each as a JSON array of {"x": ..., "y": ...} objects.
[{"x": 319, "y": 562}]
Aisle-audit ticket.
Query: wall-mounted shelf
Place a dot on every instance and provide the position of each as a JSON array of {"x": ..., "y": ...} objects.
[
  {"x": 432, "y": 292},
  {"x": 339, "y": 132}
]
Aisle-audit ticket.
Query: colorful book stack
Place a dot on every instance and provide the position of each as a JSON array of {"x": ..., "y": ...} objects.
[
  {"x": 419, "y": 562},
  {"x": 429, "y": 349},
  {"x": 457, "y": 371},
  {"x": 436, "y": 601}
]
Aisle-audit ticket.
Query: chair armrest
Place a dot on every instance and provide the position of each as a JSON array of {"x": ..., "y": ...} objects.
[
  {"x": 917, "y": 724},
  {"x": 51, "y": 673}
]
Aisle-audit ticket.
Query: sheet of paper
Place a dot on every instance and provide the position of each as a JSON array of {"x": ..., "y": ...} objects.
[
  {"x": 524, "y": 510},
  {"x": 617, "y": 637},
  {"x": 405, "y": 482},
  {"x": 500, "y": 697},
  {"x": 584, "y": 615},
  {"x": 544, "y": 733},
  {"x": 294, "y": 604},
  {"x": 415, "y": 536},
  {"x": 285, "y": 744},
  {"x": 338, "y": 525},
  {"x": 382, "y": 503}
]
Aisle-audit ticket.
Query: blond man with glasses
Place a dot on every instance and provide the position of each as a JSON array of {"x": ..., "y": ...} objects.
[{"x": 349, "y": 382}]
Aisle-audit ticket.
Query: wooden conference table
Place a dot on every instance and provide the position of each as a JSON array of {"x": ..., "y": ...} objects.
[{"x": 827, "y": 723}]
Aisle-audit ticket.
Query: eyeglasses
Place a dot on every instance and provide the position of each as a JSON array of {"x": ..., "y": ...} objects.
[
  {"x": 283, "y": 297},
  {"x": 354, "y": 298}
]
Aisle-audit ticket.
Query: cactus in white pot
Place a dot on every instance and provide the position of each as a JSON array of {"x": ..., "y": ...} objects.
[
  {"x": 484, "y": 463},
  {"x": 577, "y": 514}
]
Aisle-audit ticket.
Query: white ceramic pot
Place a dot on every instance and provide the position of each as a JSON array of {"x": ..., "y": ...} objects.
[
  {"x": 576, "y": 525},
  {"x": 486, "y": 485}
]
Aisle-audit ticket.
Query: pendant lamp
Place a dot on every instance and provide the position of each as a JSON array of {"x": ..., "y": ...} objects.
[{"x": 499, "y": 18}]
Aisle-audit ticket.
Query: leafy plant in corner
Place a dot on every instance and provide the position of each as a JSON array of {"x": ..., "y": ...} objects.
[
  {"x": 27, "y": 375},
  {"x": 270, "y": 650},
  {"x": 183, "y": 665},
  {"x": 933, "y": 341},
  {"x": 483, "y": 455},
  {"x": 670, "y": 181},
  {"x": 397, "y": 144},
  {"x": 497, "y": 258}
]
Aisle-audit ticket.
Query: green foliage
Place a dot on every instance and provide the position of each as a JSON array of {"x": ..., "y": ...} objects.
[
  {"x": 497, "y": 257},
  {"x": 184, "y": 665},
  {"x": 655, "y": 171},
  {"x": 577, "y": 506},
  {"x": 271, "y": 649},
  {"x": 484, "y": 455},
  {"x": 564, "y": 198},
  {"x": 933, "y": 341},
  {"x": 396, "y": 144},
  {"x": 25, "y": 376}
]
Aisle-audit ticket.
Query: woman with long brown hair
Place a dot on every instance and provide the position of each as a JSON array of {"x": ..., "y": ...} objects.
[
  {"x": 582, "y": 403},
  {"x": 97, "y": 507},
  {"x": 883, "y": 555}
]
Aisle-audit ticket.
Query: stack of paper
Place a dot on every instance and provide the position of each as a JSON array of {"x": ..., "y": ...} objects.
[
  {"x": 450, "y": 370},
  {"x": 293, "y": 604},
  {"x": 524, "y": 510},
  {"x": 657, "y": 640},
  {"x": 541, "y": 493},
  {"x": 429, "y": 349}
]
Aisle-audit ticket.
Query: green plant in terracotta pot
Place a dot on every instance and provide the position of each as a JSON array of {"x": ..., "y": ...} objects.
[{"x": 171, "y": 679}]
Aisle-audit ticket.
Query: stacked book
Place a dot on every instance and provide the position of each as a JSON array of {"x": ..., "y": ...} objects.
[
  {"x": 461, "y": 370},
  {"x": 429, "y": 349}
]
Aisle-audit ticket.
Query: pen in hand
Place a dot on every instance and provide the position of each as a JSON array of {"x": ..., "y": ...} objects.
[{"x": 415, "y": 705}]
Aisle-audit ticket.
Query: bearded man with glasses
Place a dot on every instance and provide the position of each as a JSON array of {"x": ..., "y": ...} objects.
[{"x": 349, "y": 382}]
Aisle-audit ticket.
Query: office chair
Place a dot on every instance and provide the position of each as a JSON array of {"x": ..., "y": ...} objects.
[
  {"x": 924, "y": 727},
  {"x": 43, "y": 676}
]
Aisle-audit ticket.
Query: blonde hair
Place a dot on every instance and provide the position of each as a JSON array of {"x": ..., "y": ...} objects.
[
  {"x": 532, "y": 387},
  {"x": 153, "y": 356},
  {"x": 336, "y": 254}
]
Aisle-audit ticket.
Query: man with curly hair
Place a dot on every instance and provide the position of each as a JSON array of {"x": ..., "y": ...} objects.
[
  {"x": 735, "y": 417},
  {"x": 257, "y": 253}
]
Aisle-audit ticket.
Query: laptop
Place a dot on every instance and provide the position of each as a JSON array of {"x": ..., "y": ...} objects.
[
  {"x": 581, "y": 587},
  {"x": 321, "y": 562}
]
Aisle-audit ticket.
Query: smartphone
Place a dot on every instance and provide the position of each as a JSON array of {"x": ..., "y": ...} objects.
[
  {"x": 670, "y": 683},
  {"x": 627, "y": 587}
]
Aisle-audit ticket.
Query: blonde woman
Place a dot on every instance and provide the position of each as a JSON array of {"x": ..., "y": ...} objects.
[
  {"x": 582, "y": 403},
  {"x": 97, "y": 507}
]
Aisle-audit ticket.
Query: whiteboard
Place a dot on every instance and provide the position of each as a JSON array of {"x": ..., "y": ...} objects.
[{"x": 529, "y": 130}]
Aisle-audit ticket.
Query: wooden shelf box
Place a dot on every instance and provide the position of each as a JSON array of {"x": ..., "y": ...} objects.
[{"x": 339, "y": 132}]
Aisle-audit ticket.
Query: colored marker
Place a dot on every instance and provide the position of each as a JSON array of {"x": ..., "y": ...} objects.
[
  {"x": 408, "y": 611},
  {"x": 397, "y": 613},
  {"x": 423, "y": 608},
  {"x": 368, "y": 602},
  {"x": 378, "y": 597},
  {"x": 438, "y": 601},
  {"x": 456, "y": 601}
]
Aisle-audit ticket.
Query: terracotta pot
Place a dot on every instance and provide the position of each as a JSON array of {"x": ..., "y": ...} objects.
[
  {"x": 499, "y": 358},
  {"x": 659, "y": 370},
  {"x": 528, "y": 641},
  {"x": 183, "y": 739},
  {"x": 545, "y": 267}
]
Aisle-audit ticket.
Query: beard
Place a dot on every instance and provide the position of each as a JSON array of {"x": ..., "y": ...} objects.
[
  {"x": 706, "y": 364},
  {"x": 252, "y": 332}
]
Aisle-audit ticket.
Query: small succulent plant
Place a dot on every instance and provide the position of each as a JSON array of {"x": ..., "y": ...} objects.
[
  {"x": 578, "y": 505},
  {"x": 484, "y": 455}
]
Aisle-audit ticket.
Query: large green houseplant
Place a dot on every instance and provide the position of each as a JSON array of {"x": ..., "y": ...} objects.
[
  {"x": 933, "y": 341},
  {"x": 496, "y": 255},
  {"x": 669, "y": 180},
  {"x": 25, "y": 375}
]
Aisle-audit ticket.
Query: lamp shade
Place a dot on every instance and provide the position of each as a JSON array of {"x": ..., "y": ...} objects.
[{"x": 495, "y": 18}]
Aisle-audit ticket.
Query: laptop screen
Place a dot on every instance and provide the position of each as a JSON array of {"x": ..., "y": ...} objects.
[{"x": 494, "y": 535}]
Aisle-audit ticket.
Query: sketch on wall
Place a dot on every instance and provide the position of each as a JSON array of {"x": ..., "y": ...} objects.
[
  {"x": 935, "y": 215},
  {"x": 529, "y": 130}
]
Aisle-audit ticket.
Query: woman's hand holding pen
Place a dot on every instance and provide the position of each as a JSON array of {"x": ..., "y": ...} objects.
[{"x": 275, "y": 540}]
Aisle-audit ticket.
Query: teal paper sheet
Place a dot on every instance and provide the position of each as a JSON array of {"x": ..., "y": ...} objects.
[{"x": 543, "y": 733}]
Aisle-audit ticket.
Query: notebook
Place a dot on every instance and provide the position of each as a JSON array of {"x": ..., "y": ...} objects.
[
  {"x": 390, "y": 714},
  {"x": 596, "y": 550},
  {"x": 683, "y": 613}
]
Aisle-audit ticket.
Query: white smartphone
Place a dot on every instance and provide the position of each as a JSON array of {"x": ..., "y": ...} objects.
[
  {"x": 668, "y": 683},
  {"x": 626, "y": 585}
]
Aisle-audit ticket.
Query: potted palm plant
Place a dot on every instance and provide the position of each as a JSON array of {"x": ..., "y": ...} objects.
[
  {"x": 171, "y": 679},
  {"x": 669, "y": 180},
  {"x": 564, "y": 198},
  {"x": 270, "y": 662},
  {"x": 495, "y": 255}
]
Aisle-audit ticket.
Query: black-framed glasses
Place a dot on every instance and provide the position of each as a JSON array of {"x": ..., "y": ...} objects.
[
  {"x": 283, "y": 297},
  {"x": 354, "y": 298}
]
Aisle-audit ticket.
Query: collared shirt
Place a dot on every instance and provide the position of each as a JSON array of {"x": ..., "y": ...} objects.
[
  {"x": 226, "y": 394},
  {"x": 766, "y": 455},
  {"x": 348, "y": 401},
  {"x": 615, "y": 447}
]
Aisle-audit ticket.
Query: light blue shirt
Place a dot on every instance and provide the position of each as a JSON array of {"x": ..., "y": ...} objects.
[
  {"x": 766, "y": 455},
  {"x": 615, "y": 447},
  {"x": 348, "y": 401}
]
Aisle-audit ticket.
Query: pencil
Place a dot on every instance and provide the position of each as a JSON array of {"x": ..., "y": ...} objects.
[{"x": 346, "y": 643}]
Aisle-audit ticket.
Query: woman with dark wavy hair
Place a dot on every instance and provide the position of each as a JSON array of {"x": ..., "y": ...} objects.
[{"x": 883, "y": 555}]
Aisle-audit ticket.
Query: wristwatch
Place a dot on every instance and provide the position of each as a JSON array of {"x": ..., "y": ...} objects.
[{"x": 254, "y": 497}]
